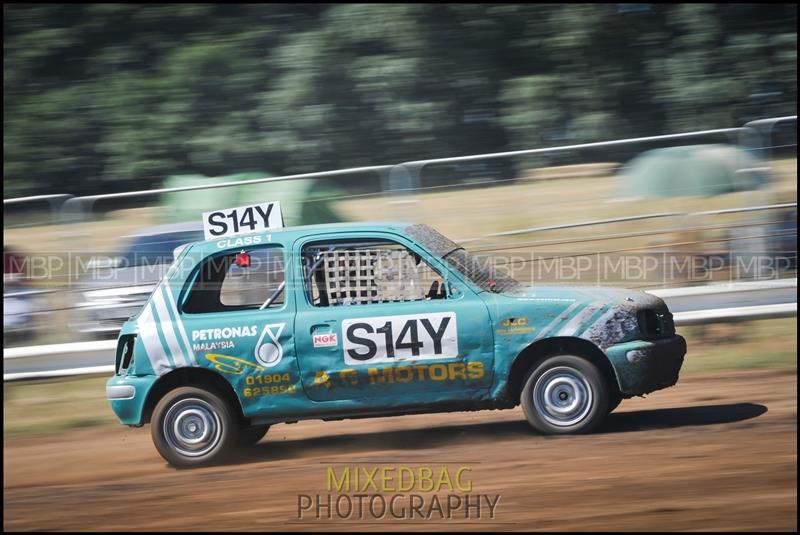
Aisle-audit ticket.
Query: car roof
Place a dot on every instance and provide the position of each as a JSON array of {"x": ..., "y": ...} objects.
[{"x": 290, "y": 234}]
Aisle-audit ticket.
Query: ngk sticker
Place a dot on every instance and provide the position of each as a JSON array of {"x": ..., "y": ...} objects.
[{"x": 325, "y": 340}]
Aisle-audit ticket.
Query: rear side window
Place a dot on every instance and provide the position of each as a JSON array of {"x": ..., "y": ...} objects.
[
  {"x": 223, "y": 283},
  {"x": 359, "y": 272}
]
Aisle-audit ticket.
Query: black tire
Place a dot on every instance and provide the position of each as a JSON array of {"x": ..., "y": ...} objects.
[
  {"x": 615, "y": 398},
  {"x": 192, "y": 427},
  {"x": 565, "y": 394},
  {"x": 251, "y": 435}
]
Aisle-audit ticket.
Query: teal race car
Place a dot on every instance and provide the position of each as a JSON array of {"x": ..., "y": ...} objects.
[{"x": 356, "y": 320}]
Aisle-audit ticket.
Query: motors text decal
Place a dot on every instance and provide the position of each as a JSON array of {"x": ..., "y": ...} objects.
[{"x": 400, "y": 338}]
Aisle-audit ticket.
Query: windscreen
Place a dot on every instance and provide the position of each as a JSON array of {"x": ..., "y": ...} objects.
[{"x": 479, "y": 270}]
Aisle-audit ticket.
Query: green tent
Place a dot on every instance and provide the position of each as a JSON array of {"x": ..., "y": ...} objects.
[
  {"x": 303, "y": 202},
  {"x": 696, "y": 170}
]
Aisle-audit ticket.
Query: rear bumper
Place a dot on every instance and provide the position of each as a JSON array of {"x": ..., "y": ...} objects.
[
  {"x": 127, "y": 396},
  {"x": 645, "y": 366}
]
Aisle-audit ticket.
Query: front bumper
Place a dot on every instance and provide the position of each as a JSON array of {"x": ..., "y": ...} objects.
[{"x": 643, "y": 366}]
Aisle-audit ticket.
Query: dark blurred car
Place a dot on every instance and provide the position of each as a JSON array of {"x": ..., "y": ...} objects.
[
  {"x": 14, "y": 264},
  {"x": 116, "y": 287},
  {"x": 763, "y": 254},
  {"x": 17, "y": 306},
  {"x": 22, "y": 302}
]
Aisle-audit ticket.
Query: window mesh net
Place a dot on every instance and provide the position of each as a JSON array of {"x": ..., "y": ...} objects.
[{"x": 365, "y": 276}]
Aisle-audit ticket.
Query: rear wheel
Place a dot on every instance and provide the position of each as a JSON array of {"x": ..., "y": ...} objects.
[
  {"x": 565, "y": 394},
  {"x": 192, "y": 427},
  {"x": 251, "y": 435}
]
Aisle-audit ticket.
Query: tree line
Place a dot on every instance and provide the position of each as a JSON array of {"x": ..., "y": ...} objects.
[{"x": 109, "y": 97}]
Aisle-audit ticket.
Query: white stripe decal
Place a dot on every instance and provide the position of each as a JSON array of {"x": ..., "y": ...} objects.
[
  {"x": 583, "y": 316},
  {"x": 152, "y": 345},
  {"x": 165, "y": 324},
  {"x": 179, "y": 323},
  {"x": 602, "y": 319},
  {"x": 557, "y": 320}
]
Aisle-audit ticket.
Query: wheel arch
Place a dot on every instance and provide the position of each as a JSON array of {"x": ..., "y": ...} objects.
[
  {"x": 189, "y": 376},
  {"x": 541, "y": 349}
]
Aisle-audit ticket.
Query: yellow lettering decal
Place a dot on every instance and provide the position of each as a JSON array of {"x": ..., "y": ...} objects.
[
  {"x": 438, "y": 372},
  {"x": 380, "y": 376},
  {"x": 352, "y": 374},
  {"x": 322, "y": 378},
  {"x": 456, "y": 370},
  {"x": 232, "y": 365},
  {"x": 420, "y": 371},
  {"x": 514, "y": 322},
  {"x": 404, "y": 374},
  {"x": 475, "y": 370}
]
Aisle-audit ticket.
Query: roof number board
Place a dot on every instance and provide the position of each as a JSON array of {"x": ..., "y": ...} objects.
[{"x": 242, "y": 220}]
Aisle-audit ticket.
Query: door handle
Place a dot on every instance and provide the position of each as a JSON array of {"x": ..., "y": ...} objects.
[{"x": 321, "y": 328}]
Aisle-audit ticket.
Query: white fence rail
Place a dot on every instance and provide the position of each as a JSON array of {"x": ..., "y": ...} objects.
[
  {"x": 725, "y": 288},
  {"x": 105, "y": 369},
  {"x": 59, "y": 349},
  {"x": 725, "y": 315}
]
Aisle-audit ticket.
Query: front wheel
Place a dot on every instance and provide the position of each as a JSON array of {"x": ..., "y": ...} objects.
[
  {"x": 565, "y": 394},
  {"x": 191, "y": 427}
]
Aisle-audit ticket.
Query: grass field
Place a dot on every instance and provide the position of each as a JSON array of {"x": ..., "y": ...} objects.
[{"x": 52, "y": 406}]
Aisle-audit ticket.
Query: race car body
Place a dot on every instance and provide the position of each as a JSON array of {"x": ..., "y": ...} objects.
[{"x": 357, "y": 320}]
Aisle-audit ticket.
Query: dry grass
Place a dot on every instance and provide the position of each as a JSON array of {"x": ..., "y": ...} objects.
[{"x": 459, "y": 213}]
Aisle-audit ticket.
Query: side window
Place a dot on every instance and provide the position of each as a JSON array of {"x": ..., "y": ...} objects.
[
  {"x": 359, "y": 272},
  {"x": 238, "y": 281}
]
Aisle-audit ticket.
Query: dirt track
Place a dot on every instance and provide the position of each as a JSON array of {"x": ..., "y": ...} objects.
[{"x": 716, "y": 452}]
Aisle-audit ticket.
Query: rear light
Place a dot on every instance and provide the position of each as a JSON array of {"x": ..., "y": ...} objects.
[{"x": 125, "y": 353}]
